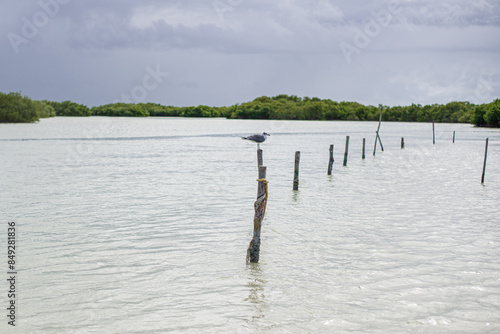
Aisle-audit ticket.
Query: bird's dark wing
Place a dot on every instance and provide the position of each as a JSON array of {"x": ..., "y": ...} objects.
[{"x": 256, "y": 138}]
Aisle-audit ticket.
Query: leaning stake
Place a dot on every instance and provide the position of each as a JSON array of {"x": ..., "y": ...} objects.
[
  {"x": 377, "y": 137},
  {"x": 260, "y": 210},
  {"x": 485, "y": 156},
  {"x": 380, "y": 142},
  {"x": 296, "y": 171}
]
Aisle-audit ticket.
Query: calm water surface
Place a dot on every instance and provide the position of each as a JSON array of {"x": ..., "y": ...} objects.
[{"x": 141, "y": 226}]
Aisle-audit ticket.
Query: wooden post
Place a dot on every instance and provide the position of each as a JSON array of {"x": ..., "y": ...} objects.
[
  {"x": 453, "y": 137},
  {"x": 380, "y": 142},
  {"x": 402, "y": 142},
  {"x": 485, "y": 156},
  {"x": 260, "y": 210},
  {"x": 296, "y": 171},
  {"x": 364, "y": 144},
  {"x": 330, "y": 163},
  {"x": 433, "y": 134},
  {"x": 346, "y": 150},
  {"x": 260, "y": 161},
  {"x": 377, "y": 137}
]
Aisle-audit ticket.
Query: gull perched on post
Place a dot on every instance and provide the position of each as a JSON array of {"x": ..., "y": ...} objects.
[{"x": 257, "y": 138}]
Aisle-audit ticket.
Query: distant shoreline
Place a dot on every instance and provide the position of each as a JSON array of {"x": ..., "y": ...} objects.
[{"x": 15, "y": 108}]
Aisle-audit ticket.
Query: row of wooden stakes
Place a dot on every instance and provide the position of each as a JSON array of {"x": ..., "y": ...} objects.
[
  {"x": 346, "y": 153},
  {"x": 262, "y": 189}
]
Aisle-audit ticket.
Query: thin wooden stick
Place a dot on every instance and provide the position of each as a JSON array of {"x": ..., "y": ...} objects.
[
  {"x": 485, "y": 157},
  {"x": 364, "y": 144},
  {"x": 380, "y": 142},
  {"x": 402, "y": 142},
  {"x": 346, "y": 152},
  {"x": 330, "y": 163},
  {"x": 296, "y": 171},
  {"x": 433, "y": 134},
  {"x": 377, "y": 137}
]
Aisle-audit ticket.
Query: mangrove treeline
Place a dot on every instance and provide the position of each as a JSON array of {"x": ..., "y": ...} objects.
[{"x": 17, "y": 108}]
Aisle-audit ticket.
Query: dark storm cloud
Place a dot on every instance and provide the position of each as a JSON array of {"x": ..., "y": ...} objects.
[
  {"x": 210, "y": 25},
  {"x": 372, "y": 51},
  {"x": 247, "y": 26},
  {"x": 256, "y": 26}
]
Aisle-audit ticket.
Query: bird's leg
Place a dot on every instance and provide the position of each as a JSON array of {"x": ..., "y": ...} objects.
[{"x": 258, "y": 146}]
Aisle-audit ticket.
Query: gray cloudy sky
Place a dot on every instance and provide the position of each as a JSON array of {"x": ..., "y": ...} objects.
[{"x": 222, "y": 52}]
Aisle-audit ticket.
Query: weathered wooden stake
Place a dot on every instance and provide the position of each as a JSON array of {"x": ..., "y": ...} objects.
[
  {"x": 453, "y": 137},
  {"x": 260, "y": 161},
  {"x": 485, "y": 156},
  {"x": 260, "y": 210},
  {"x": 380, "y": 142},
  {"x": 433, "y": 134},
  {"x": 330, "y": 163},
  {"x": 364, "y": 144},
  {"x": 402, "y": 142},
  {"x": 296, "y": 171},
  {"x": 346, "y": 150},
  {"x": 377, "y": 137}
]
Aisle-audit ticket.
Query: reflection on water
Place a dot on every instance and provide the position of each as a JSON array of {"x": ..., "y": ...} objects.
[
  {"x": 142, "y": 226},
  {"x": 257, "y": 286}
]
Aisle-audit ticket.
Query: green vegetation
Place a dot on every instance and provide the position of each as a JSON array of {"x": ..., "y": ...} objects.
[
  {"x": 15, "y": 108},
  {"x": 121, "y": 109},
  {"x": 293, "y": 107},
  {"x": 68, "y": 108},
  {"x": 157, "y": 110},
  {"x": 487, "y": 114}
]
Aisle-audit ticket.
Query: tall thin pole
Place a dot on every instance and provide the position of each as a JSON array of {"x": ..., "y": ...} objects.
[
  {"x": 433, "y": 134},
  {"x": 378, "y": 129},
  {"x": 346, "y": 150},
  {"x": 485, "y": 156},
  {"x": 330, "y": 163},
  {"x": 380, "y": 142},
  {"x": 453, "y": 136},
  {"x": 364, "y": 144},
  {"x": 296, "y": 171}
]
